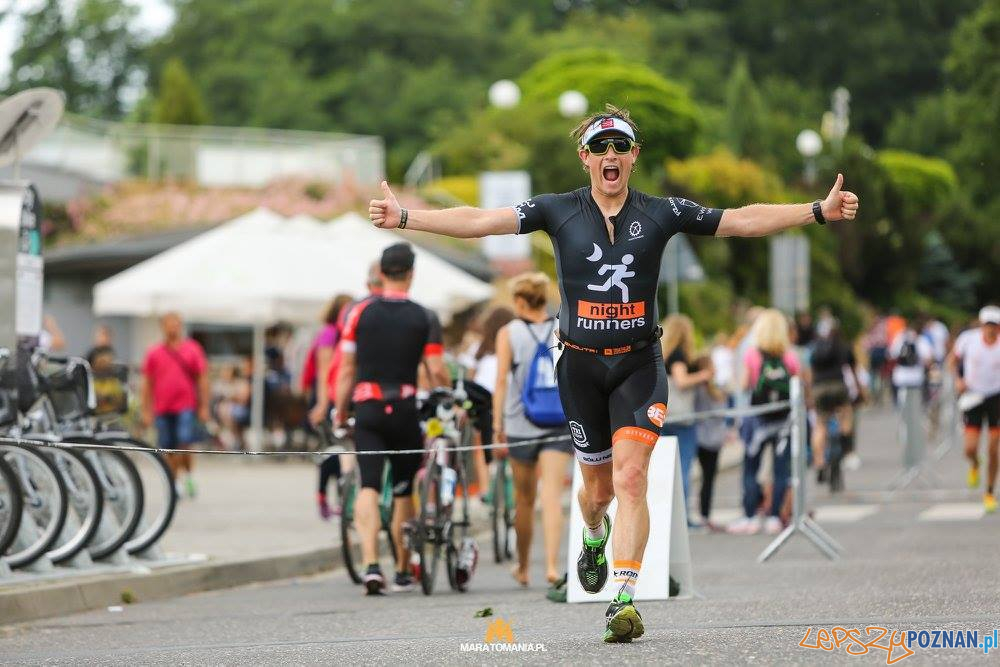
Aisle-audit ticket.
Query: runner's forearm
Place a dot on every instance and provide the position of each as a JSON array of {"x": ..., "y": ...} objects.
[
  {"x": 764, "y": 219},
  {"x": 464, "y": 222}
]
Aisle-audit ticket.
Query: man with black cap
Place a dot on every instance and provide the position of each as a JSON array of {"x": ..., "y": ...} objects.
[
  {"x": 608, "y": 241},
  {"x": 384, "y": 341}
]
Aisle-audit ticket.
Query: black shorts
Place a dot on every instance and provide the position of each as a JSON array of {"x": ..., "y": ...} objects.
[
  {"x": 607, "y": 399},
  {"x": 988, "y": 411},
  {"x": 385, "y": 426},
  {"x": 529, "y": 453},
  {"x": 830, "y": 395}
]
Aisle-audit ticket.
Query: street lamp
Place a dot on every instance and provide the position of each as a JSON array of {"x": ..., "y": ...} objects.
[
  {"x": 572, "y": 103},
  {"x": 809, "y": 144},
  {"x": 504, "y": 94}
]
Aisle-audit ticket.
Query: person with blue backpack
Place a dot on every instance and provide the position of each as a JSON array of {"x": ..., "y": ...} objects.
[{"x": 526, "y": 406}]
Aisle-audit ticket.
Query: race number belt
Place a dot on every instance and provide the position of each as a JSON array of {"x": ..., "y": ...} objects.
[
  {"x": 612, "y": 351},
  {"x": 374, "y": 391}
]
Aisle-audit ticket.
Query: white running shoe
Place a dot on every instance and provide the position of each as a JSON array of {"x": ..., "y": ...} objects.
[
  {"x": 745, "y": 526},
  {"x": 852, "y": 461},
  {"x": 773, "y": 525}
]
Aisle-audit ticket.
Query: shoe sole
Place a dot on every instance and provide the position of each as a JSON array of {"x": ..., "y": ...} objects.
[
  {"x": 624, "y": 626},
  {"x": 374, "y": 587},
  {"x": 403, "y": 589}
]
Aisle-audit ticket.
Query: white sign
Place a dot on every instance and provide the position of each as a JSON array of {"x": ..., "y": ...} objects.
[
  {"x": 668, "y": 552},
  {"x": 498, "y": 189},
  {"x": 28, "y": 319}
]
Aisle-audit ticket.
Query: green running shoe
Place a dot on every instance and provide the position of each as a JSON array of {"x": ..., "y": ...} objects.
[
  {"x": 624, "y": 622},
  {"x": 592, "y": 565}
]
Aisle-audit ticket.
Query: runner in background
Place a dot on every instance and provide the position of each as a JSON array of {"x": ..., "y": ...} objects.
[
  {"x": 516, "y": 344},
  {"x": 332, "y": 466},
  {"x": 176, "y": 395},
  {"x": 976, "y": 361},
  {"x": 385, "y": 340}
]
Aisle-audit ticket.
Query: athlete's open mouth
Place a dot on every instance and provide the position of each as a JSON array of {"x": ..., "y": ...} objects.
[{"x": 611, "y": 173}]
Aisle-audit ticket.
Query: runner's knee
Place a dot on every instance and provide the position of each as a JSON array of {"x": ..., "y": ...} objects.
[{"x": 630, "y": 481}]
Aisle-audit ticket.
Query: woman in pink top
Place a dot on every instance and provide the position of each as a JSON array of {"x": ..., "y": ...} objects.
[{"x": 768, "y": 368}]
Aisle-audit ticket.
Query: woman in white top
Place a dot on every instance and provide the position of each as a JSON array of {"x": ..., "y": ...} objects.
[{"x": 516, "y": 345}]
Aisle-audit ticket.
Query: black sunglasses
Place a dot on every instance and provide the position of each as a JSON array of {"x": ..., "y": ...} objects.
[{"x": 621, "y": 145}]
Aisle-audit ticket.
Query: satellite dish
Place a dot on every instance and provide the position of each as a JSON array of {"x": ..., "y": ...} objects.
[{"x": 25, "y": 119}]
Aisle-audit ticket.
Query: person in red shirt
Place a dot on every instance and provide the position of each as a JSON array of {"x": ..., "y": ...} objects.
[{"x": 175, "y": 393}]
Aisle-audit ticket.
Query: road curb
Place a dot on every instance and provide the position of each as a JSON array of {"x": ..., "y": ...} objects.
[{"x": 31, "y": 602}]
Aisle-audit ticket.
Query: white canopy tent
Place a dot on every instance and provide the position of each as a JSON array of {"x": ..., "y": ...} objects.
[{"x": 261, "y": 268}]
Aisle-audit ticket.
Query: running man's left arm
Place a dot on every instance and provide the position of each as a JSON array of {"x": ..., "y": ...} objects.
[
  {"x": 345, "y": 383},
  {"x": 765, "y": 219}
]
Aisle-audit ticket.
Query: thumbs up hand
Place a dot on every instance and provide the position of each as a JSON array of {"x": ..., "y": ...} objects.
[
  {"x": 385, "y": 212},
  {"x": 840, "y": 204}
]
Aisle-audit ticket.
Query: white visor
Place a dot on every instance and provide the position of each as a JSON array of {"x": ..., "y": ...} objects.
[
  {"x": 609, "y": 124},
  {"x": 989, "y": 315}
]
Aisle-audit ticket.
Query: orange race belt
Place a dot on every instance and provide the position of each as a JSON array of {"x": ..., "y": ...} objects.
[{"x": 611, "y": 351}]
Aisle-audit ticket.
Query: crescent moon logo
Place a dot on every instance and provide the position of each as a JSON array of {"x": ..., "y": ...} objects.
[{"x": 596, "y": 255}]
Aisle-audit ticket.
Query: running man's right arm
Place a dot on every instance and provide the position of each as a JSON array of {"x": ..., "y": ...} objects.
[{"x": 464, "y": 222}]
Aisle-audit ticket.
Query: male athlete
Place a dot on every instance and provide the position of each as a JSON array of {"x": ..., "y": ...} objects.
[
  {"x": 608, "y": 241},
  {"x": 976, "y": 359},
  {"x": 385, "y": 339}
]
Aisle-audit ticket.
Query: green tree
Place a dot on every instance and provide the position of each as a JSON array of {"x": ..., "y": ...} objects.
[
  {"x": 668, "y": 118},
  {"x": 105, "y": 48},
  {"x": 41, "y": 57},
  {"x": 974, "y": 70},
  {"x": 745, "y": 114},
  {"x": 178, "y": 101}
]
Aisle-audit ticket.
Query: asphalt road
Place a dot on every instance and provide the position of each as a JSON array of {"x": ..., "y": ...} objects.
[{"x": 924, "y": 560}]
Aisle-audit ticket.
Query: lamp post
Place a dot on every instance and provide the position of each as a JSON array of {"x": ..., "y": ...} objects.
[
  {"x": 504, "y": 94},
  {"x": 572, "y": 104},
  {"x": 809, "y": 145}
]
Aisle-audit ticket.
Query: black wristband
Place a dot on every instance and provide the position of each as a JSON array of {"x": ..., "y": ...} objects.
[
  {"x": 818, "y": 212},
  {"x": 403, "y": 216}
]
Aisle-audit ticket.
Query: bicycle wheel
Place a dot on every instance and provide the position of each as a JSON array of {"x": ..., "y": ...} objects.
[
  {"x": 350, "y": 541},
  {"x": 457, "y": 532},
  {"x": 500, "y": 513},
  {"x": 123, "y": 500},
  {"x": 11, "y": 505},
  {"x": 45, "y": 503},
  {"x": 159, "y": 497},
  {"x": 85, "y": 506},
  {"x": 386, "y": 506},
  {"x": 429, "y": 541}
]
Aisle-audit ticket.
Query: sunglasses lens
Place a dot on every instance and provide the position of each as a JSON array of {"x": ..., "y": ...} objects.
[
  {"x": 621, "y": 145},
  {"x": 601, "y": 146}
]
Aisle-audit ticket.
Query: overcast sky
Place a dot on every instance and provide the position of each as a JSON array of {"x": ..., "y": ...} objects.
[{"x": 155, "y": 17}]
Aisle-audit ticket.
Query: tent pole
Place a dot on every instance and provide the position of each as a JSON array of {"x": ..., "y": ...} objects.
[{"x": 257, "y": 394}]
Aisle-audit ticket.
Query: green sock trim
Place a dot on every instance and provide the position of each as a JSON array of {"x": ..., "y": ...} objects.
[{"x": 623, "y": 597}]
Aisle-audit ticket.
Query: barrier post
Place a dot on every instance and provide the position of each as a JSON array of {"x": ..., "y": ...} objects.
[
  {"x": 914, "y": 440},
  {"x": 950, "y": 423},
  {"x": 800, "y": 521}
]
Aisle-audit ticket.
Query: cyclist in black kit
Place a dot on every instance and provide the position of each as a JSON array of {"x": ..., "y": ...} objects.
[
  {"x": 608, "y": 242},
  {"x": 385, "y": 339}
]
